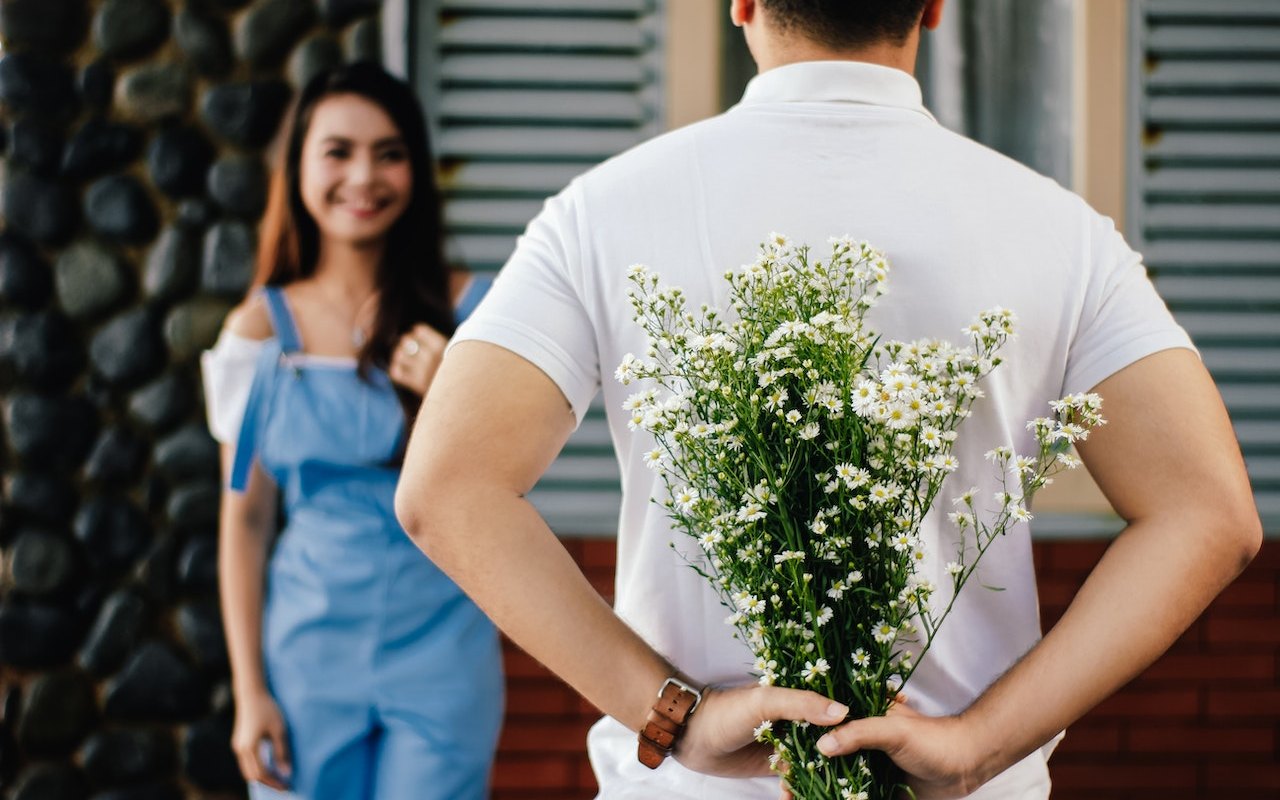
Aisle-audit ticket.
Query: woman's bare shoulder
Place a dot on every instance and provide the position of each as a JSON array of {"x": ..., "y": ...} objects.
[{"x": 251, "y": 319}]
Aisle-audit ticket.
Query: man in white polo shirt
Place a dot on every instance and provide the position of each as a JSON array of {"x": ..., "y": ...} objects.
[{"x": 830, "y": 139}]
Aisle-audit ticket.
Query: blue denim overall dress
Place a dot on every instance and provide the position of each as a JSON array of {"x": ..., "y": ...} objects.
[{"x": 388, "y": 676}]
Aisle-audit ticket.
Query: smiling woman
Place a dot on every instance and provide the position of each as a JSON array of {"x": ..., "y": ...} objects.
[
  {"x": 355, "y": 175},
  {"x": 361, "y": 671}
]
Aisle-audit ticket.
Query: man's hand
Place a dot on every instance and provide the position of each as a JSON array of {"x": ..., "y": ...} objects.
[
  {"x": 933, "y": 751},
  {"x": 720, "y": 737}
]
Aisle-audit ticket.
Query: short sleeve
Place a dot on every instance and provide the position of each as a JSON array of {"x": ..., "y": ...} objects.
[
  {"x": 1123, "y": 319},
  {"x": 535, "y": 307},
  {"x": 228, "y": 371}
]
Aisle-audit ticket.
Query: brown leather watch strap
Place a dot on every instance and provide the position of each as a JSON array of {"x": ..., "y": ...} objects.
[{"x": 666, "y": 720}]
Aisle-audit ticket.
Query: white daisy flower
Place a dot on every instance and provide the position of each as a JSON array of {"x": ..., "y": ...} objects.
[{"x": 815, "y": 669}]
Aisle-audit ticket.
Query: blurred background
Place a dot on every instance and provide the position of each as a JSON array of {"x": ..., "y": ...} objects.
[{"x": 135, "y": 136}]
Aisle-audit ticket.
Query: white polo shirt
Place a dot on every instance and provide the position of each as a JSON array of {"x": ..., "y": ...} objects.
[{"x": 815, "y": 150}]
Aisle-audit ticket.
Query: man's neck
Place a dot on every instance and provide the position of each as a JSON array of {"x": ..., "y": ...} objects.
[{"x": 901, "y": 57}]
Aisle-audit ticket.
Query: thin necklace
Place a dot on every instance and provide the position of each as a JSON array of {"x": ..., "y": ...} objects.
[{"x": 359, "y": 334}]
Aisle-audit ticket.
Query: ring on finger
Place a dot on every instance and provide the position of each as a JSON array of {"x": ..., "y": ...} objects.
[{"x": 412, "y": 347}]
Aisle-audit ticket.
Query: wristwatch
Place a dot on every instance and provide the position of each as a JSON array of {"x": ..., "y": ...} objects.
[{"x": 677, "y": 701}]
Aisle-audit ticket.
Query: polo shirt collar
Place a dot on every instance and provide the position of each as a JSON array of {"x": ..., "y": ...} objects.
[{"x": 836, "y": 82}]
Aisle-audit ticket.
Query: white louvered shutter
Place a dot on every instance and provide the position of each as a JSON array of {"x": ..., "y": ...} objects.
[
  {"x": 1204, "y": 199},
  {"x": 523, "y": 95}
]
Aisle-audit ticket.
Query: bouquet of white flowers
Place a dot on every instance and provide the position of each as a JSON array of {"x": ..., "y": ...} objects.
[{"x": 802, "y": 453}]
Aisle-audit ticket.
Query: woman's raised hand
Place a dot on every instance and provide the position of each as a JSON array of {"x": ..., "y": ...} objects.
[{"x": 416, "y": 358}]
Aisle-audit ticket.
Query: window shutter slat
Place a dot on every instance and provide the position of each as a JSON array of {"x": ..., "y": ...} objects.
[
  {"x": 498, "y": 34},
  {"x": 521, "y": 144},
  {"x": 551, "y": 8},
  {"x": 1241, "y": 290},
  {"x": 1191, "y": 40},
  {"x": 1212, "y": 147},
  {"x": 525, "y": 180},
  {"x": 1213, "y": 11},
  {"x": 1234, "y": 75},
  {"x": 544, "y": 70},
  {"x": 1194, "y": 183},
  {"x": 1260, "y": 257},
  {"x": 524, "y": 95},
  {"x": 1204, "y": 200},
  {"x": 1241, "y": 113},
  {"x": 588, "y": 108}
]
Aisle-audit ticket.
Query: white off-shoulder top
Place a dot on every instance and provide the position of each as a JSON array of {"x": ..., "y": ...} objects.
[{"x": 228, "y": 374}]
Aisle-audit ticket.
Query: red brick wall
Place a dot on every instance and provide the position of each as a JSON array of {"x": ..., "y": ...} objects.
[{"x": 1203, "y": 722}]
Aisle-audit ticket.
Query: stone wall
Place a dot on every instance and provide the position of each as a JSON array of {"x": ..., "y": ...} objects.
[{"x": 133, "y": 177}]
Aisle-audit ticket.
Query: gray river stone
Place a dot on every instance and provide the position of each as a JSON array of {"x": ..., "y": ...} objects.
[
  {"x": 42, "y": 350},
  {"x": 317, "y": 54},
  {"x": 156, "y": 685},
  {"x": 270, "y": 29},
  {"x": 97, "y": 84},
  {"x": 154, "y": 92},
  {"x": 58, "y": 710},
  {"x": 246, "y": 114},
  {"x": 173, "y": 265},
  {"x": 31, "y": 82},
  {"x": 119, "y": 627},
  {"x": 162, "y": 403},
  {"x": 188, "y": 454},
  {"x": 205, "y": 41},
  {"x": 192, "y": 327},
  {"x": 51, "y": 780},
  {"x": 128, "y": 350},
  {"x": 130, "y": 28},
  {"x": 113, "y": 531},
  {"x": 117, "y": 457},
  {"x": 178, "y": 159},
  {"x": 99, "y": 147},
  {"x": 127, "y": 755},
  {"x": 120, "y": 210},
  {"x": 25, "y": 278},
  {"x": 43, "y": 25},
  {"x": 229, "y": 253},
  {"x": 90, "y": 279},
  {"x": 40, "y": 497},
  {"x": 42, "y": 562},
  {"x": 53, "y": 431},
  {"x": 44, "y": 210},
  {"x": 35, "y": 145},
  {"x": 36, "y": 635},
  {"x": 238, "y": 183}
]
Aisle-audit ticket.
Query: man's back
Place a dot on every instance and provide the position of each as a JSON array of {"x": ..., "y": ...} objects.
[{"x": 816, "y": 150}]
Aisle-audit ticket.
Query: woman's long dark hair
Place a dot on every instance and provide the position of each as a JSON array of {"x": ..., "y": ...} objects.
[{"x": 413, "y": 278}]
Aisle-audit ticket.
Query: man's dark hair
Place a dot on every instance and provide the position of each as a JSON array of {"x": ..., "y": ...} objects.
[{"x": 847, "y": 24}]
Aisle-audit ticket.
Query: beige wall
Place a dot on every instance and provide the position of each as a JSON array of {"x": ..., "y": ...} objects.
[
  {"x": 1098, "y": 169},
  {"x": 693, "y": 60},
  {"x": 1101, "y": 80}
]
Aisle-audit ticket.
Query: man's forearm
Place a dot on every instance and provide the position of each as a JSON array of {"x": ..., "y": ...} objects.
[
  {"x": 1168, "y": 463},
  {"x": 1151, "y": 584},
  {"x": 488, "y": 429},
  {"x": 498, "y": 549}
]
